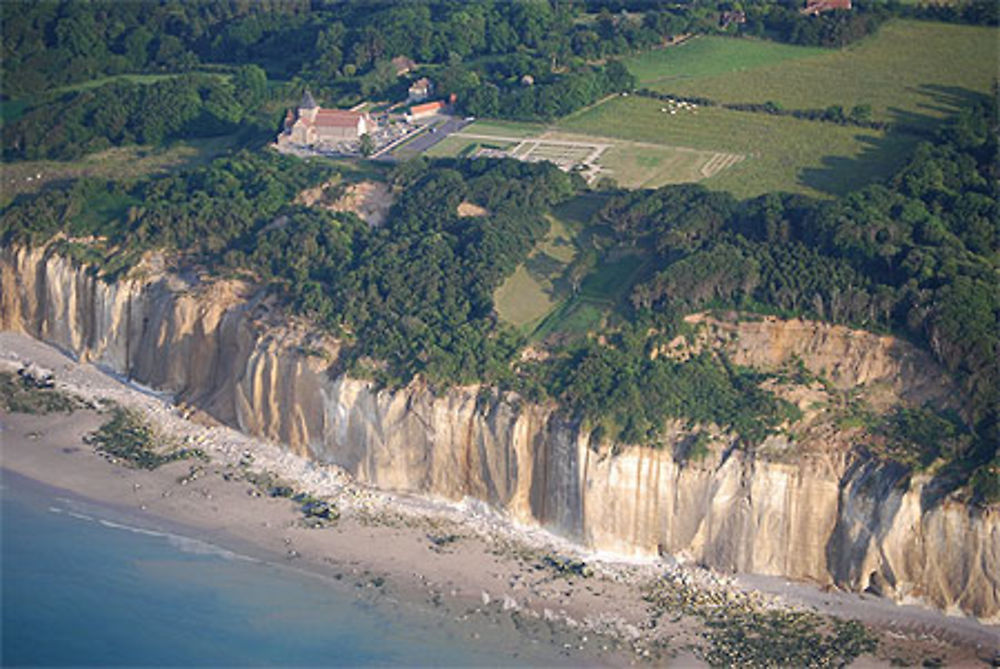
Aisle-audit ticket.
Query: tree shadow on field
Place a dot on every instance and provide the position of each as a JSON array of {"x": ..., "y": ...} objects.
[{"x": 883, "y": 155}]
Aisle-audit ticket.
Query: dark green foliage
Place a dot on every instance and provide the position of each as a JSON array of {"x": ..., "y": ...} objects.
[
  {"x": 918, "y": 437},
  {"x": 418, "y": 297},
  {"x": 126, "y": 113},
  {"x": 207, "y": 211},
  {"x": 630, "y": 395},
  {"x": 131, "y": 440}
]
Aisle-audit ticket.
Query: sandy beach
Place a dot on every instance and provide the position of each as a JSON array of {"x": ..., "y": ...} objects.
[{"x": 462, "y": 561}]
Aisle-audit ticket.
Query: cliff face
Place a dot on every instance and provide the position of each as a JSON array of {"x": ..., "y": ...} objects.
[{"x": 826, "y": 514}]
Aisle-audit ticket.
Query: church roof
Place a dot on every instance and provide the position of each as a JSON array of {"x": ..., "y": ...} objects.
[
  {"x": 308, "y": 102},
  {"x": 337, "y": 118}
]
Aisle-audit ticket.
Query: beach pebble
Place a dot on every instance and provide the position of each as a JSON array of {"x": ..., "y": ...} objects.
[{"x": 486, "y": 598}]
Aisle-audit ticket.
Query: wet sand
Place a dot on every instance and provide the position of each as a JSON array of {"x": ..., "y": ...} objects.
[{"x": 462, "y": 561}]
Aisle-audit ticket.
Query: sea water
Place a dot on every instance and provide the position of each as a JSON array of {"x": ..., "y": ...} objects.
[{"x": 83, "y": 587}]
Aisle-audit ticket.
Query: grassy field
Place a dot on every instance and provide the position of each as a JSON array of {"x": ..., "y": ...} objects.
[
  {"x": 131, "y": 79},
  {"x": 630, "y": 164},
  {"x": 646, "y": 164},
  {"x": 535, "y": 288},
  {"x": 708, "y": 56},
  {"x": 539, "y": 300},
  {"x": 911, "y": 71},
  {"x": 782, "y": 153}
]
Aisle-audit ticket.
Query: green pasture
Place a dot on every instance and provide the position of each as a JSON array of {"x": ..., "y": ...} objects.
[
  {"x": 912, "y": 72},
  {"x": 782, "y": 153},
  {"x": 708, "y": 56}
]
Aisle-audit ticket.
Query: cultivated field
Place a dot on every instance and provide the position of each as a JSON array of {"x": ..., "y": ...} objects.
[
  {"x": 782, "y": 153},
  {"x": 910, "y": 71}
]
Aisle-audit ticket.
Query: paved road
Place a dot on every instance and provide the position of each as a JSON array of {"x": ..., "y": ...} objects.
[{"x": 427, "y": 139}]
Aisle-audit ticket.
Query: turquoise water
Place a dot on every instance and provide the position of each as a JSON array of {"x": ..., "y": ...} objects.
[{"x": 80, "y": 589}]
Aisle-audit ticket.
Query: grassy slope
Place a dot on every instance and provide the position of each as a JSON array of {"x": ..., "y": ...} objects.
[
  {"x": 782, "y": 153},
  {"x": 539, "y": 300},
  {"x": 911, "y": 71},
  {"x": 535, "y": 287}
]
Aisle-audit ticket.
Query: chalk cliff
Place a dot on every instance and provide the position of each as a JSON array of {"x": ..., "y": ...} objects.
[{"x": 814, "y": 510}]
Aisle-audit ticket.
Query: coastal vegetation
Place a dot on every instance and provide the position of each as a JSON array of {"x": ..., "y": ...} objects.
[
  {"x": 130, "y": 439},
  {"x": 740, "y": 631},
  {"x": 22, "y": 393},
  {"x": 415, "y": 296}
]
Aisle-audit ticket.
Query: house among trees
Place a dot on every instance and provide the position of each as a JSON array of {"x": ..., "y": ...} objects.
[
  {"x": 815, "y": 7},
  {"x": 727, "y": 19},
  {"x": 421, "y": 89},
  {"x": 311, "y": 124}
]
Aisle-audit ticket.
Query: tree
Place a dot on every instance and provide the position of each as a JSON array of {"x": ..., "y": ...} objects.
[
  {"x": 367, "y": 145},
  {"x": 250, "y": 83}
]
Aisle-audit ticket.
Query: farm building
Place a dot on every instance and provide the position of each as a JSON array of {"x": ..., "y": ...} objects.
[
  {"x": 311, "y": 124},
  {"x": 421, "y": 89},
  {"x": 814, "y": 7}
]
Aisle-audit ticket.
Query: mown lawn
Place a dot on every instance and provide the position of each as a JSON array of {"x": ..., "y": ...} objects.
[
  {"x": 782, "y": 153},
  {"x": 913, "y": 72},
  {"x": 707, "y": 56}
]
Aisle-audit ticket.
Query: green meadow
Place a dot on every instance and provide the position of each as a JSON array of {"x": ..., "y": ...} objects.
[
  {"x": 781, "y": 153},
  {"x": 709, "y": 56},
  {"x": 914, "y": 72}
]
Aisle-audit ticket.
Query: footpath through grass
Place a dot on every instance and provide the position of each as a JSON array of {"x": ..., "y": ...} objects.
[{"x": 913, "y": 72}]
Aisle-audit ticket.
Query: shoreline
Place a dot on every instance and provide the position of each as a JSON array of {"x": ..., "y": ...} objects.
[{"x": 460, "y": 559}]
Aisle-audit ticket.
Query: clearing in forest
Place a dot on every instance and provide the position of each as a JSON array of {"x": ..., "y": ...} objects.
[{"x": 540, "y": 297}]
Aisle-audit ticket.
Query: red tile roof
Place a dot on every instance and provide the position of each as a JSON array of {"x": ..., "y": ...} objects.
[{"x": 428, "y": 107}]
